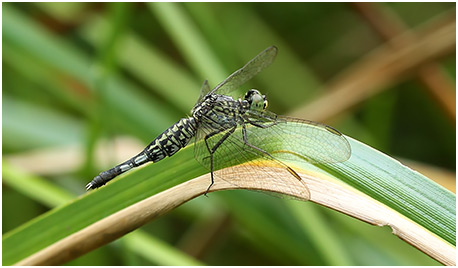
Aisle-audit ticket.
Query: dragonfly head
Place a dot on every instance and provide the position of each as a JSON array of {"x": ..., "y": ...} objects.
[{"x": 256, "y": 100}]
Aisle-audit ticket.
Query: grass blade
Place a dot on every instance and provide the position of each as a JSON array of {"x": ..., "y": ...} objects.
[{"x": 369, "y": 177}]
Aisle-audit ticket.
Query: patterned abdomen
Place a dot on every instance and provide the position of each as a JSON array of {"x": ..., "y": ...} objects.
[
  {"x": 168, "y": 143},
  {"x": 171, "y": 140}
]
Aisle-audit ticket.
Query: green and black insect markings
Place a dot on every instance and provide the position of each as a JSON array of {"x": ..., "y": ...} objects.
[
  {"x": 232, "y": 131},
  {"x": 167, "y": 144}
]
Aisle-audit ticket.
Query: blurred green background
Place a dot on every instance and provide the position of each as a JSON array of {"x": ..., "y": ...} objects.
[{"x": 87, "y": 85}]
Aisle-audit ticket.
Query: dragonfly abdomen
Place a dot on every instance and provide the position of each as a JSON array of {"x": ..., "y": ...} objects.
[
  {"x": 167, "y": 144},
  {"x": 171, "y": 140}
]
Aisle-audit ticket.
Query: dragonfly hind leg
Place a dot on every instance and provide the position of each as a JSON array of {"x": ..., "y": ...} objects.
[{"x": 213, "y": 150}]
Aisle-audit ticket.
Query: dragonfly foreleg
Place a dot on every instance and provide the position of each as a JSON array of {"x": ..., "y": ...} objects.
[{"x": 213, "y": 150}]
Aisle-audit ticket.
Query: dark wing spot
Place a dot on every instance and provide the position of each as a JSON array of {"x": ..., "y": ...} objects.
[
  {"x": 290, "y": 170},
  {"x": 333, "y": 130}
]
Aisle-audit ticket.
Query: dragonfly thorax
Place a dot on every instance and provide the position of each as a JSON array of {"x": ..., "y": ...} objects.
[
  {"x": 218, "y": 112},
  {"x": 204, "y": 107}
]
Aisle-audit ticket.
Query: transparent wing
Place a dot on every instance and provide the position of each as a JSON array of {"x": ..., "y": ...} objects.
[
  {"x": 233, "y": 152},
  {"x": 242, "y": 75},
  {"x": 295, "y": 139},
  {"x": 203, "y": 91},
  {"x": 283, "y": 138}
]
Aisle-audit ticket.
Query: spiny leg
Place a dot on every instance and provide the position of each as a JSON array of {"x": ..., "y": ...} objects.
[{"x": 213, "y": 150}]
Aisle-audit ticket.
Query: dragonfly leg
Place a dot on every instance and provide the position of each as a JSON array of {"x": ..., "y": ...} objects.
[
  {"x": 245, "y": 140},
  {"x": 213, "y": 150}
]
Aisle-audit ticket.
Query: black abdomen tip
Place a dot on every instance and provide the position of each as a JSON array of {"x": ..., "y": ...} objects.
[
  {"x": 95, "y": 183},
  {"x": 101, "y": 179}
]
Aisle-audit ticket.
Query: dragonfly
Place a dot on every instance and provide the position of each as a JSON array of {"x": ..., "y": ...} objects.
[{"x": 229, "y": 131}]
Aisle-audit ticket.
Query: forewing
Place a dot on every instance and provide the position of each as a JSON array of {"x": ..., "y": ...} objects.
[
  {"x": 297, "y": 139},
  {"x": 203, "y": 91},
  {"x": 242, "y": 75}
]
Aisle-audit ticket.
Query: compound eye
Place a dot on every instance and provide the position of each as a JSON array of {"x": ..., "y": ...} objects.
[{"x": 248, "y": 94}]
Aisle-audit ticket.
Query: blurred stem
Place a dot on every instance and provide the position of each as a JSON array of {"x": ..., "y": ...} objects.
[
  {"x": 119, "y": 13},
  {"x": 106, "y": 67},
  {"x": 189, "y": 40},
  {"x": 160, "y": 252},
  {"x": 381, "y": 68},
  {"x": 381, "y": 124},
  {"x": 323, "y": 236},
  {"x": 388, "y": 25},
  {"x": 34, "y": 187}
]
